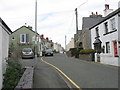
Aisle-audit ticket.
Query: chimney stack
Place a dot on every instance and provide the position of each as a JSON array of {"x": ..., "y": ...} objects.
[
  {"x": 92, "y": 13},
  {"x": 107, "y": 11},
  {"x": 96, "y": 13},
  {"x": 42, "y": 36},
  {"x": 106, "y": 6},
  {"x": 47, "y": 38},
  {"x": 30, "y": 27}
]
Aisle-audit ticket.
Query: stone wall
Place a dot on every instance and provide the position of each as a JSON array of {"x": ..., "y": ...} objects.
[
  {"x": 87, "y": 57},
  {"x": 26, "y": 81}
]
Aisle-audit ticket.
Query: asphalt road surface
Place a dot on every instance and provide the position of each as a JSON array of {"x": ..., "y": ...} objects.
[
  {"x": 45, "y": 76},
  {"x": 86, "y": 74}
]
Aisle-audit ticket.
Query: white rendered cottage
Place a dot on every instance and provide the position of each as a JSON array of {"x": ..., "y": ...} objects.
[
  {"x": 105, "y": 38},
  {"x": 4, "y": 45}
]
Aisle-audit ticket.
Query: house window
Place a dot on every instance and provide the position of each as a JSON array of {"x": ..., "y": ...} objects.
[
  {"x": 113, "y": 26},
  {"x": 33, "y": 38},
  {"x": 97, "y": 32},
  {"x": 107, "y": 47},
  {"x": 24, "y": 38},
  {"x": 27, "y": 37},
  {"x": 106, "y": 27}
]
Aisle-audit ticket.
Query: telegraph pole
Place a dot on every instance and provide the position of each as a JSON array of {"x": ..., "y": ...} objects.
[
  {"x": 36, "y": 31},
  {"x": 36, "y": 17},
  {"x": 76, "y": 13}
]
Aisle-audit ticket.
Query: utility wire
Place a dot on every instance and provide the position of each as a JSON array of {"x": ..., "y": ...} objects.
[
  {"x": 70, "y": 28},
  {"x": 82, "y": 3},
  {"x": 71, "y": 24}
]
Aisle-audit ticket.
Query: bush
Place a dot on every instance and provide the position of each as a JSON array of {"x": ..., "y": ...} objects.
[
  {"x": 14, "y": 70},
  {"x": 75, "y": 52},
  {"x": 87, "y": 51},
  {"x": 13, "y": 73},
  {"x": 55, "y": 51}
]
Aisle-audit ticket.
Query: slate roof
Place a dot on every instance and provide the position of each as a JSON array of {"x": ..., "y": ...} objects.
[
  {"x": 90, "y": 21},
  {"x": 5, "y": 25},
  {"x": 107, "y": 17},
  {"x": 25, "y": 27}
]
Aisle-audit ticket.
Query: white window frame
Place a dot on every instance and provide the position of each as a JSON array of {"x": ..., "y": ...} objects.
[
  {"x": 25, "y": 39},
  {"x": 33, "y": 38},
  {"x": 107, "y": 47},
  {"x": 97, "y": 31},
  {"x": 21, "y": 38},
  {"x": 106, "y": 27},
  {"x": 28, "y": 38},
  {"x": 113, "y": 24}
]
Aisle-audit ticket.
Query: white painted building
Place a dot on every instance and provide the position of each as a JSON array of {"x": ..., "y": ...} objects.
[
  {"x": 4, "y": 45},
  {"x": 107, "y": 33},
  {"x": 58, "y": 48},
  {"x": 70, "y": 44},
  {"x": 46, "y": 43}
]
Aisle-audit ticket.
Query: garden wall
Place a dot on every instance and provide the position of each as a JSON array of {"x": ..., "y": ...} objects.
[{"x": 87, "y": 57}]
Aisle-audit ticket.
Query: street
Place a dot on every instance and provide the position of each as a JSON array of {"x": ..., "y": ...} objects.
[
  {"x": 84, "y": 74},
  {"x": 60, "y": 44},
  {"x": 44, "y": 75}
]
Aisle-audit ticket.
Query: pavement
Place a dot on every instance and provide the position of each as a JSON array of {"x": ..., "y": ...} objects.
[{"x": 45, "y": 76}]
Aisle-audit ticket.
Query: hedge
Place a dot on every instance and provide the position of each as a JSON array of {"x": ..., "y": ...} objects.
[
  {"x": 87, "y": 51},
  {"x": 75, "y": 52}
]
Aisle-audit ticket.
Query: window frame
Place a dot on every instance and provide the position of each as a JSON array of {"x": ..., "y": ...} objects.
[
  {"x": 97, "y": 31},
  {"x": 113, "y": 24},
  {"x": 106, "y": 27},
  {"x": 107, "y": 47},
  {"x": 24, "y": 36}
]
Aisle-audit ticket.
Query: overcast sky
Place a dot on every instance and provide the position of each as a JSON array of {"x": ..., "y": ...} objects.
[{"x": 56, "y": 18}]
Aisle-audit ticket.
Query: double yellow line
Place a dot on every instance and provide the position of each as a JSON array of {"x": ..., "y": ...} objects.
[{"x": 62, "y": 74}]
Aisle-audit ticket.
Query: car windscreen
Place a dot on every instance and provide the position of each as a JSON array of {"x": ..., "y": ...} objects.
[
  {"x": 49, "y": 50},
  {"x": 27, "y": 50}
]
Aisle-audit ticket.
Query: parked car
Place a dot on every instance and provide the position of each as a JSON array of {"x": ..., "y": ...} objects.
[
  {"x": 27, "y": 53},
  {"x": 49, "y": 52}
]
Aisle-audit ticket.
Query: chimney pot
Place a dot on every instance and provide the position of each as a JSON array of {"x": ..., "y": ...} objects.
[
  {"x": 92, "y": 13},
  {"x": 106, "y": 6},
  {"x": 30, "y": 27},
  {"x": 96, "y": 13}
]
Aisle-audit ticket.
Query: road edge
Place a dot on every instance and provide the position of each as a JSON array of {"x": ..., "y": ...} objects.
[{"x": 62, "y": 74}]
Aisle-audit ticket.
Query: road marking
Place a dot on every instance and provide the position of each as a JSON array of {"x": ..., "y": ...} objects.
[
  {"x": 62, "y": 74},
  {"x": 64, "y": 79}
]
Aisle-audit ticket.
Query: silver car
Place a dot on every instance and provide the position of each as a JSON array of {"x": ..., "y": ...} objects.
[
  {"x": 27, "y": 53},
  {"x": 49, "y": 52}
]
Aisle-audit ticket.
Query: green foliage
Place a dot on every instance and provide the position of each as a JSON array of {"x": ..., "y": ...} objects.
[
  {"x": 11, "y": 49},
  {"x": 13, "y": 73},
  {"x": 87, "y": 51},
  {"x": 74, "y": 52},
  {"x": 13, "y": 70},
  {"x": 55, "y": 51}
]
